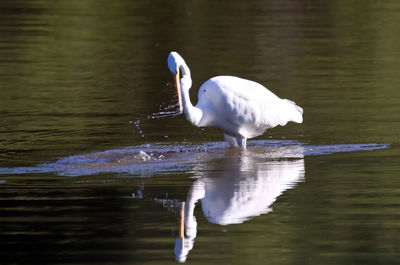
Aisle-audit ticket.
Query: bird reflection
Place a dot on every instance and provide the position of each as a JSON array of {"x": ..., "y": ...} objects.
[{"x": 241, "y": 186}]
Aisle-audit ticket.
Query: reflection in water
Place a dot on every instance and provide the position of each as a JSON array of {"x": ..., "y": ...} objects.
[{"x": 247, "y": 186}]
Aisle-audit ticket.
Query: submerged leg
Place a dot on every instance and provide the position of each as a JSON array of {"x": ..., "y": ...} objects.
[{"x": 231, "y": 140}]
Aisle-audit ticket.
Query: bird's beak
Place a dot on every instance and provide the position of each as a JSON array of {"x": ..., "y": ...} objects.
[
  {"x": 182, "y": 222},
  {"x": 178, "y": 89}
]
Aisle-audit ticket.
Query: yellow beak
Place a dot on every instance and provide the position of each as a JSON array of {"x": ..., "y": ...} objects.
[
  {"x": 178, "y": 89},
  {"x": 182, "y": 222}
]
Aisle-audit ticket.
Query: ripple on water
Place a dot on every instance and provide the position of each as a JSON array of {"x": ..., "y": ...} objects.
[{"x": 144, "y": 160}]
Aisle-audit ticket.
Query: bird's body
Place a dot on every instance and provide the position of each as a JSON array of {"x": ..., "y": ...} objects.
[{"x": 240, "y": 108}]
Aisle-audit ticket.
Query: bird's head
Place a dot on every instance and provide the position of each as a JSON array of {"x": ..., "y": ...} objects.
[{"x": 181, "y": 73}]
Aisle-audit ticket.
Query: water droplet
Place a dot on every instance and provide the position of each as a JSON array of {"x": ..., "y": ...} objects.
[
  {"x": 166, "y": 111},
  {"x": 137, "y": 125}
]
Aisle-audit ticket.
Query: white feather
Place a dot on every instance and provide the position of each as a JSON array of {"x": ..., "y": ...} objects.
[{"x": 238, "y": 107}]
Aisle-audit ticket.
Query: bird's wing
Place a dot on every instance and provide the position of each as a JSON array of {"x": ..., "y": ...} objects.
[{"x": 248, "y": 102}]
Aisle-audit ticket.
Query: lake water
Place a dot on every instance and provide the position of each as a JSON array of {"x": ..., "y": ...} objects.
[{"x": 87, "y": 176}]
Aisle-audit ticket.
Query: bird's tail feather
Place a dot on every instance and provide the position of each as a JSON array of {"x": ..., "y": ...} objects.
[
  {"x": 298, "y": 114},
  {"x": 300, "y": 109}
]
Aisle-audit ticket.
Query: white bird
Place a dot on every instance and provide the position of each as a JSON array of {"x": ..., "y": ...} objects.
[{"x": 240, "y": 108}]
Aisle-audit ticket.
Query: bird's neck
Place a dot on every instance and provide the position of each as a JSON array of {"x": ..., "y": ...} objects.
[{"x": 192, "y": 113}]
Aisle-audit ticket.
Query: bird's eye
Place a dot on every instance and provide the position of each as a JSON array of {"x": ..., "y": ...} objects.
[
  {"x": 204, "y": 90},
  {"x": 181, "y": 72}
]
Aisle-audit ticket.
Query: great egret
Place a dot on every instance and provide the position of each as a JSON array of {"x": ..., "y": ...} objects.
[{"x": 240, "y": 108}]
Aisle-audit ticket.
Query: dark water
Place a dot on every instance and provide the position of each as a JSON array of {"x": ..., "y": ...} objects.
[{"x": 86, "y": 176}]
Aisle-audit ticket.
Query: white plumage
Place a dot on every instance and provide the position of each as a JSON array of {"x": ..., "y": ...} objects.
[{"x": 240, "y": 108}]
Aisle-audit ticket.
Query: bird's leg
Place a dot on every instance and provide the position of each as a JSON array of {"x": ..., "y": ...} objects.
[
  {"x": 231, "y": 140},
  {"x": 242, "y": 141}
]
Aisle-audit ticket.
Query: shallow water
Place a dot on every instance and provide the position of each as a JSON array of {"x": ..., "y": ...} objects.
[
  {"x": 149, "y": 159},
  {"x": 96, "y": 167}
]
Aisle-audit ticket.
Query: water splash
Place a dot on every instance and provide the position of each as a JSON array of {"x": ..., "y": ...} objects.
[
  {"x": 166, "y": 111},
  {"x": 164, "y": 114}
]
